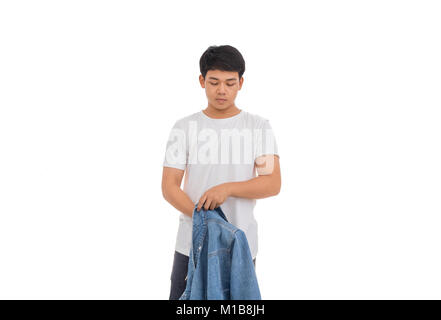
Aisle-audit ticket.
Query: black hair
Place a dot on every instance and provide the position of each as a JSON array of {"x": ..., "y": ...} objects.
[{"x": 224, "y": 58}]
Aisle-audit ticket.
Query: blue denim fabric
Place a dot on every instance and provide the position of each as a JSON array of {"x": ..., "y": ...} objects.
[{"x": 220, "y": 265}]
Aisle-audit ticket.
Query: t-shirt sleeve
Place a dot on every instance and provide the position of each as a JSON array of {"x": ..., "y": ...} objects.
[
  {"x": 265, "y": 141},
  {"x": 176, "y": 152}
]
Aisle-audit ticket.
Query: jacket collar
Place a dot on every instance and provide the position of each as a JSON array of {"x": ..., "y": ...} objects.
[
  {"x": 200, "y": 228},
  {"x": 202, "y": 215}
]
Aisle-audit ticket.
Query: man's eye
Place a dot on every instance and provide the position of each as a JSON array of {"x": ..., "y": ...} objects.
[{"x": 214, "y": 84}]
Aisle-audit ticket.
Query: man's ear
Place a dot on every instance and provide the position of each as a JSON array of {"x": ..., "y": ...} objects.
[
  {"x": 202, "y": 81},
  {"x": 240, "y": 83}
]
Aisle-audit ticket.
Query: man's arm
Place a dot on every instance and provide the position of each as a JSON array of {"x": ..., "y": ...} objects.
[
  {"x": 266, "y": 184},
  {"x": 172, "y": 192}
]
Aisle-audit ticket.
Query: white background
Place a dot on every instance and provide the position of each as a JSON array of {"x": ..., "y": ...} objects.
[{"x": 89, "y": 91}]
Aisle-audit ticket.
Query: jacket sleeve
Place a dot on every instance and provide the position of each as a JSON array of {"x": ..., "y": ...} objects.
[{"x": 243, "y": 280}]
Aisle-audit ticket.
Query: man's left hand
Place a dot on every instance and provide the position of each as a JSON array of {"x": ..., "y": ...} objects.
[{"x": 214, "y": 197}]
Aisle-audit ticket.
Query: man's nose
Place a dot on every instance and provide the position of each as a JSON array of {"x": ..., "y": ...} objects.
[{"x": 221, "y": 88}]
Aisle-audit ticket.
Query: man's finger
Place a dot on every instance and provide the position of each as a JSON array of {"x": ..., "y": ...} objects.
[
  {"x": 207, "y": 204},
  {"x": 201, "y": 202}
]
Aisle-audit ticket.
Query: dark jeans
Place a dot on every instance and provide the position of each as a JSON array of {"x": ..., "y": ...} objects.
[{"x": 179, "y": 272}]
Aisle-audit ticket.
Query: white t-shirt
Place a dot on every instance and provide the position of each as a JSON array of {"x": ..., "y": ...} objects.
[{"x": 215, "y": 151}]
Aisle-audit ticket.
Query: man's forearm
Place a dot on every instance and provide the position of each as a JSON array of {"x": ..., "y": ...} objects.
[
  {"x": 180, "y": 200},
  {"x": 256, "y": 188}
]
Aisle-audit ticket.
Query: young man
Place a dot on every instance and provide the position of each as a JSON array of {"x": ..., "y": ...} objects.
[{"x": 199, "y": 145}]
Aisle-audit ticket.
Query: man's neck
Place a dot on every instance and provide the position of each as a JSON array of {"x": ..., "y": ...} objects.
[{"x": 221, "y": 114}]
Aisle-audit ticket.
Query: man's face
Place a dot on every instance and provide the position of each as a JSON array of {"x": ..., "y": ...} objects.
[{"x": 221, "y": 87}]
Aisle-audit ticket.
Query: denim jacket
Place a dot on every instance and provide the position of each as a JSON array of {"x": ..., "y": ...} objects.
[{"x": 220, "y": 265}]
